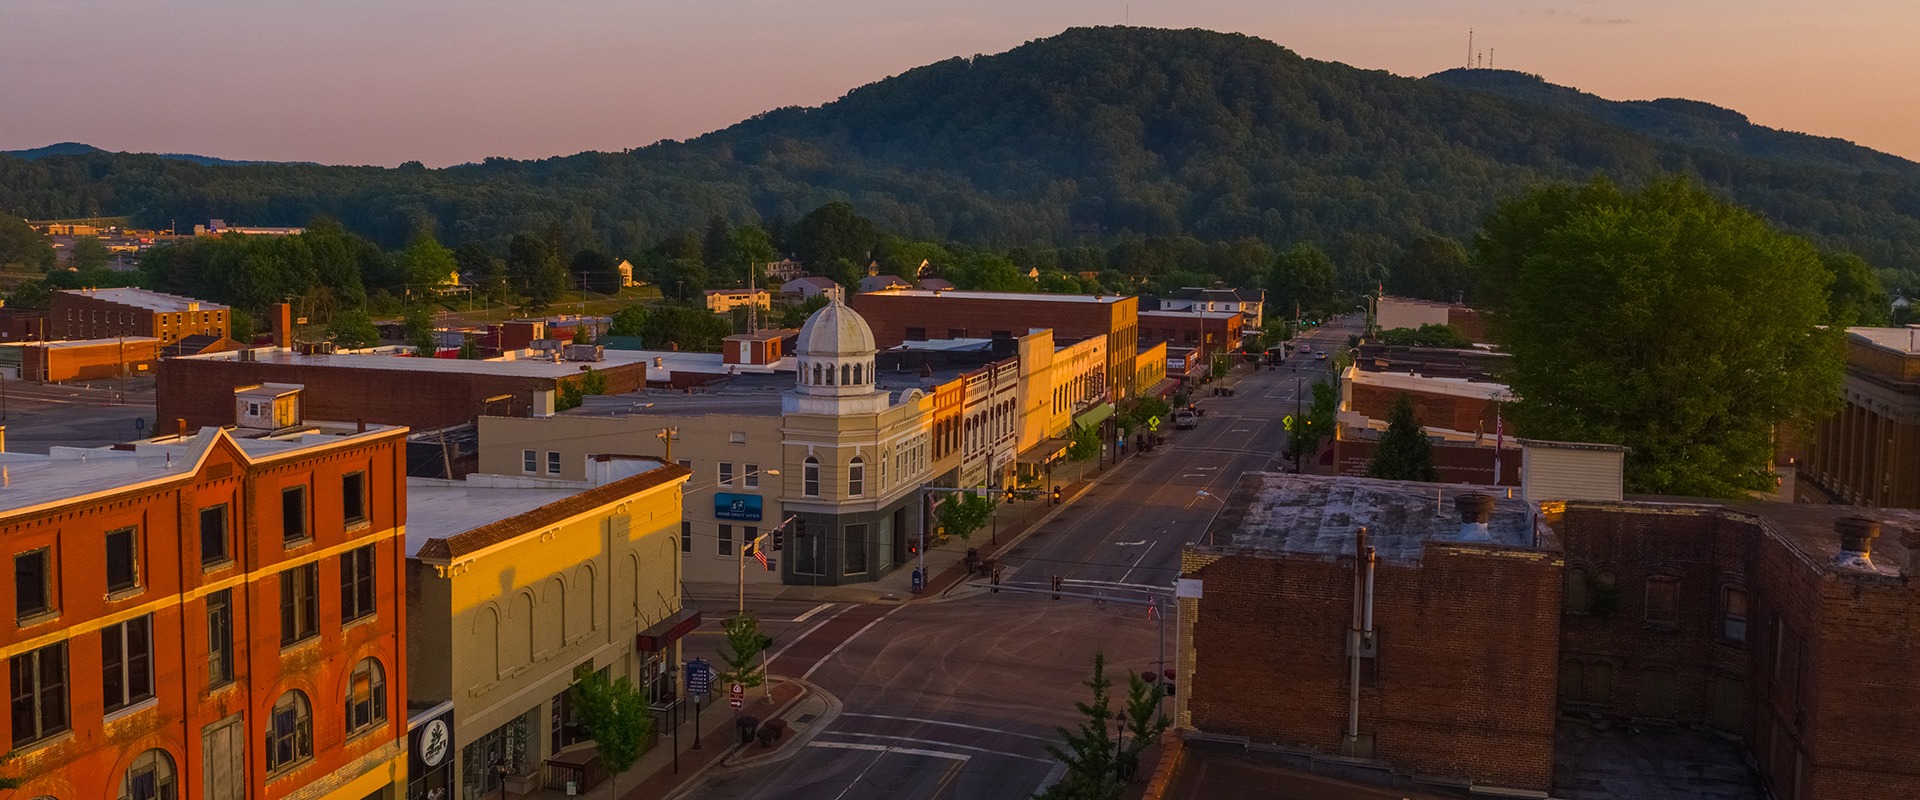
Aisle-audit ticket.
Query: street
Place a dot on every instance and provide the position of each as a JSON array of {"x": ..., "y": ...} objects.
[{"x": 957, "y": 697}]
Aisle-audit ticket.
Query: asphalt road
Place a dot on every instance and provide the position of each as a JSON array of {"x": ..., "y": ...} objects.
[
  {"x": 958, "y": 698},
  {"x": 86, "y": 414}
]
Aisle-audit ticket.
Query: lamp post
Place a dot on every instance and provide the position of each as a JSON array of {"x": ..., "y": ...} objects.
[
  {"x": 1216, "y": 514},
  {"x": 1120, "y": 745}
]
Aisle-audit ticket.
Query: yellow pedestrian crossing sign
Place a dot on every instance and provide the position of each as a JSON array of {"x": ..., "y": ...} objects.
[
  {"x": 1153, "y": 423},
  {"x": 1287, "y": 420}
]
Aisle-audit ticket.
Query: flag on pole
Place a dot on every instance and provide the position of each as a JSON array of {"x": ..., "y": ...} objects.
[
  {"x": 762, "y": 557},
  {"x": 759, "y": 547}
]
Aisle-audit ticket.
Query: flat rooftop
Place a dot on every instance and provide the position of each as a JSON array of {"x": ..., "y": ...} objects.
[
  {"x": 464, "y": 516},
  {"x": 1221, "y": 315},
  {"x": 675, "y": 361},
  {"x": 1808, "y": 528},
  {"x": 752, "y": 393},
  {"x": 147, "y": 299},
  {"x": 1900, "y": 340},
  {"x": 63, "y": 344},
  {"x": 1272, "y": 513},
  {"x": 71, "y": 474},
  {"x": 957, "y": 294},
  {"x": 396, "y": 359},
  {"x": 438, "y": 508},
  {"x": 1426, "y": 384}
]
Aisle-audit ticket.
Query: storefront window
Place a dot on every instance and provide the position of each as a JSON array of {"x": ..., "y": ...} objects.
[{"x": 501, "y": 752}]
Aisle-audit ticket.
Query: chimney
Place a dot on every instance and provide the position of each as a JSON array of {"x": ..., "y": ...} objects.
[
  {"x": 282, "y": 324},
  {"x": 1475, "y": 510},
  {"x": 180, "y": 427},
  {"x": 543, "y": 403},
  {"x": 1856, "y": 542},
  {"x": 3, "y": 438}
]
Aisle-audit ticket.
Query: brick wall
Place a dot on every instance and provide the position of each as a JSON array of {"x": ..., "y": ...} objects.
[
  {"x": 1454, "y": 463},
  {"x": 1433, "y": 410},
  {"x": 1467, "y": 642},
  {"x": 201, "y": 392},
  {"x": 107, "y": 359}
]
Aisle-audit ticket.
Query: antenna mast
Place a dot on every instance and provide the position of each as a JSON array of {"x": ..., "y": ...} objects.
[{"x": 1469, "y": 48}]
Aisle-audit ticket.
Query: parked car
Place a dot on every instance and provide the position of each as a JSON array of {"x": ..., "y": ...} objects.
[
  {"x": 1185, "y": 419},
  {"x": 1320, "y": 356}
]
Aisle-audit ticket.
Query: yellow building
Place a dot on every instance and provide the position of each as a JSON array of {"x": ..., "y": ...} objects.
[
  {"x": 518, "y": 587},
  {"x": 721, "y": 301}
]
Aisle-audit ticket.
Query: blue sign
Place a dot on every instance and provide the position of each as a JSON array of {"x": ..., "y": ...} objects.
[
  {"x": 736, "y": 506},
  {"x": 699, "y": 676}
]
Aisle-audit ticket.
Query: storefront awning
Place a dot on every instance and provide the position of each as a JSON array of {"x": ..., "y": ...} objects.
[
  {"x": 665, "y": 632},
  {"x": 1046, "y": 452},
  {"x": 1163, "y": 388},
  {"x": 1094, "y": 416}
]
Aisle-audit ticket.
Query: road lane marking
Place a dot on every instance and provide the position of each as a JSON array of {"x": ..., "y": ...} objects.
[
  {"x": 1131, "y": 544},
  {"x": 986, "y": 750},
  {"x": 808, "y": 632},
  {"x": 1136, "y": 563},
  {"x": 816, "y": 609},
  {"x": 884, "y": 749},
  {"x": 947, "y": 724},
  {"x": 843, "y": 645}
]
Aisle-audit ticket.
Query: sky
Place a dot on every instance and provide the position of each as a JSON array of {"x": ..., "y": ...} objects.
[{"x": 452, "y": 81}]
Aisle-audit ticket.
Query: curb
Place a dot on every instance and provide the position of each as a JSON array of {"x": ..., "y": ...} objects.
[
  {"x": 792, "y": 746},
  {"x": 1065, "y": 503},
  {"x": 693, "y": 777}
]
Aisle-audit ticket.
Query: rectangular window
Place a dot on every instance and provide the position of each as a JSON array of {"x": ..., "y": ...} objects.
[
  {"x": 353, "y": 498},
  {"x": 856, "y": 549},
  {"x": 686, "y": 536},
  {"x": 686, "y": 464},
  {"x": 1663, "y": 602},
  {"x": 529, "y": 462},
  {"x": 723, "y": 545},
  {"x": 127, "y": 660},
  {"x": 213, "y": 536},
  {"x": 752, "y": 475},
  {"x": 220, "y": 638},
  {"x": 806, "y": 546},
  {"x": 32, "y": 584},
  {"x": 1734, "y": 620},
  {"x": 299, "y": 604},
  {"x": 810, "y": 478},
  {"x": 123, "y": 560},
  {"x": 553, "y": 462},
  {"x": 856, "y": 478},
  {"x": 293, "y": 513},
  {"x": 37, "y": 680},
  {"x": 356, "y": 584},
  {"x": 726, "y": 473}
]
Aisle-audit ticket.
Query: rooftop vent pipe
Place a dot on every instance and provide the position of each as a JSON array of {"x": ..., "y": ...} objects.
[
  {"x": 1856, "y": 542},
  {"x": 1475, "y": 510}
]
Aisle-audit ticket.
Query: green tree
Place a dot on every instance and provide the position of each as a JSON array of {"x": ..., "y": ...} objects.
[
  {"x": 1301, "y": 277},
  {"x": 692, "y": 328},
  {"x": 21, "y": 244},
  {"x": 581, "y": 335},
  {"x": 1432, "y": 268},
  {"x": 796, "y": 315},
  {"x": 1088, "y": 751},
  {"x": 240, "y": 326},
  {"x": 1428, "y": 335},
  {"x": 1404, "y": 453},
  {"x": 419, "y": 330},
  {"x": 596, "y": 271},
  {"x": 1145, "y": 722},
  {"x": 748, "y": 247},
  {"x": 593, "y": 381},
  {"x": 1668, "y": 321},
  {"x": 832, "y": 231},
  {"x": 89, "y": 253},
  {"x": 353, "y": 329},
  {"x": 37, "y": 295},
  {"x": 628, "y": 321},
  {"x": 425, "y": 264},
  {"x": 964, "y": 513},
  {"x": 1085, "y": 444},
  {"x": 745, "y": 643},
  {"x": 1855, "y": 297},
  {"x": 615, "y": 715}
]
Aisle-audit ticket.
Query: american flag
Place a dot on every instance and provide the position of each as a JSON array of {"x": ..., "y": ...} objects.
[{"x": 762, "y": 557}]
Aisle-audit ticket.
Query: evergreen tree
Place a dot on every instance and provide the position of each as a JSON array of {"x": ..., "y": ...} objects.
[
  {"x": 1088, "y": 751},
  {"x": 745, "y": 643},
  {"x": 1145, "y": 722},
  {"x": 1404, "y": 453}
]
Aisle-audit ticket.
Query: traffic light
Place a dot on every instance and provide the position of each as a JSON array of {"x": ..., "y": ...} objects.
[
  {"x": 1056, "y": 587},
  {"x": 779, "y": 539},
  {"x": 1056, "y": 495}
]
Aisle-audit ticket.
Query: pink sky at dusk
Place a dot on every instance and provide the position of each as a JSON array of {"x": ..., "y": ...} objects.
[{"x": 445, "y": 82}]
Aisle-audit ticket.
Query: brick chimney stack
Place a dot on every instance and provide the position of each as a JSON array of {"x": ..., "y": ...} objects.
[
  {"x": 282, "y": 324},
  {"x": 1476, "y": 510}
]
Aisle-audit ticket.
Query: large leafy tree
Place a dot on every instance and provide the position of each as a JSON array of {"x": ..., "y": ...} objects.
[
  {"x": 1302, "y": 277},
  {"x": 963, "y": 513},
  {"x": 1665, "y": 320},
  {"x": 832, "y": 231},
  {"x": 1856, "y": 296},
  {"x": 21, "y": 244},
  {"x": 1432, "y": 268},
  {"x": 691, "y": 328},
  {"x": 1088, "y": 751},
  {"x": 1404, "y": 453}
]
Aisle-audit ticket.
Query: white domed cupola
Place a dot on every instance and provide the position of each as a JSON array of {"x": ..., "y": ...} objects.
[{"x": 834, "y": 354}]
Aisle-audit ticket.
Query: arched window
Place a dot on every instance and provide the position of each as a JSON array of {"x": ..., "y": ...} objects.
[
  {"x": 856, "y": 375},
  {"x": 149, "y": 777},
  {"x": 857, "y": 477},
  {"x": 366, "y": 697},
  {"x": 816, "y": 374},
  {"x": 846, "y": 374},
  {"x": 1579, "y": 599},
  {"x": 810, "y": 477},
  {"x": 289, "y": 731}
]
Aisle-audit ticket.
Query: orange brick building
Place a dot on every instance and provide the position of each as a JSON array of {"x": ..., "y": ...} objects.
[
  {"x": 900, "y": 315},
  {"x": 106, "y": 313},
  {"x": 216, "y": 615},
  {"x": 88, "y": 359}
]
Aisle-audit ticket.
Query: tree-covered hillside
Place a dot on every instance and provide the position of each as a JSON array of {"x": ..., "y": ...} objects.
[{"x": 1094, "y": 135}]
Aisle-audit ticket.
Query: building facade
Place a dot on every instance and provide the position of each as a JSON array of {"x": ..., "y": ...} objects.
[
  {"x": 913, "y": 315},
  {"x": 108, "y": 313},
  {"x": 1869, "y": 453},
  {"x": 721, "y": 301},
  {"x": 216, "y": 615},
  {"x": 1207, "y": 332},
  {"x": 522, "y": 586}
]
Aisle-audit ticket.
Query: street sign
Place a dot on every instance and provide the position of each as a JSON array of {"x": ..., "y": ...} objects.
[
  {"x": 1287, "y": 420},
  {"x": 738, "y": 694},
  {"x": 699, "y": 677},
  {"x": 1153, "y": 423}
]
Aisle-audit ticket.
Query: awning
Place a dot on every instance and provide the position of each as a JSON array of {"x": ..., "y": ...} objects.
[
  {"x": 1163, "y": 388},
  {"x": 1046, "y": 452},
  {"x": 665, "y": 632},
  {"x": 1094, "y": 416}
]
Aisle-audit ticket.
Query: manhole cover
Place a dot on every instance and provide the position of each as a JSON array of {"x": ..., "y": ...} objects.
[{"x": 804, "y": 719}]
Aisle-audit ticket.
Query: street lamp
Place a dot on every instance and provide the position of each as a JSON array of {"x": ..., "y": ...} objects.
[
  {"x": 1119, "y": 745},
  {"x": 1216, "y": 514}
]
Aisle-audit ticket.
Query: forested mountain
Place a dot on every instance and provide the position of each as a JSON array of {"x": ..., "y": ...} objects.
[
  {"x": 1094, "y": 135},
  {"x": 79, "y": 149}
]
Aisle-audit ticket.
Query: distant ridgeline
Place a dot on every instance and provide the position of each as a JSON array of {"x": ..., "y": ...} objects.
[{"x": 1090, "y": 136}]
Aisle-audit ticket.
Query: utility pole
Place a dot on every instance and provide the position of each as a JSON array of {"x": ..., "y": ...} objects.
[{"x": 666, "y": 435}]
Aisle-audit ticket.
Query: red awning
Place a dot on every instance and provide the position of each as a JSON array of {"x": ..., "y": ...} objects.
[{"x": 667, "y": 631}]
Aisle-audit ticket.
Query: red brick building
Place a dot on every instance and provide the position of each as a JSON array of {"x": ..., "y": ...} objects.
[
  {"x": 385, "y": 387},
  {"x": 1211, "y": 332},
  {"x": 93, "y": 359},
  {"x": 1499, "y": 652},
  {"x": 1455, "y": 397},
  {"x": 901, "y": 315},
  {"x": 211, "y": 616},
  {"x": 105, "y": 313},
  {"x": 1465, "y": 629}
]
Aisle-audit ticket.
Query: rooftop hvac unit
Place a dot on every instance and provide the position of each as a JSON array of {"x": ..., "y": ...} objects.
[{"x": 585, "y": 352}]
